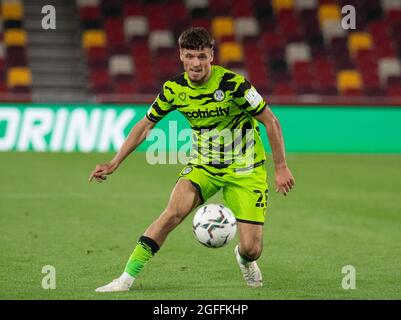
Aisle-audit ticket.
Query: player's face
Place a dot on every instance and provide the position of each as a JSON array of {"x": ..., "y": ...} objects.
[{"x": 197, "y": 64}]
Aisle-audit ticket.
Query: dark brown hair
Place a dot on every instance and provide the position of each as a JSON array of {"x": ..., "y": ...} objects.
[{"x": 195, "y": 38}]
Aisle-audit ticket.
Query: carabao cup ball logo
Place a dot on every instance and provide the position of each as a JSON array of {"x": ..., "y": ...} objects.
[{"x": 219, "y": 95}]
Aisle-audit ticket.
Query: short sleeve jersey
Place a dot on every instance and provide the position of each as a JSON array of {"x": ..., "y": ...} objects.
[{"x": 221, "y": 114}]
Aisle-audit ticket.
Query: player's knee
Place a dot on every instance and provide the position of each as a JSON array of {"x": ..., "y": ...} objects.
[
  {"x": 173, "y": 216},
  {"x": 251, "y": 251}
]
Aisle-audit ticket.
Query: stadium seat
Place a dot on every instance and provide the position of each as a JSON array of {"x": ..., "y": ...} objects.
[
  {"x": 353, "y": 92},
  {"x": 125, "y": 88},
  {"x": 2, "y": 51},
  {"x": 90, "y": 13},
  {"x": 165, "y": 67},
  {"x": 222, "y": 27},
  {"x": 111, "y": 8},
  {"x": 147, "y": 83},
  {"x": 86, "y": 3},
  {"x": 358, "y": 41},
  {"x": 157, "y": 17},
  {"x": 388, "y": 67},
  {"x": 181, "y": 19},
  {"x": 242, "y": 9},
  {"x": 97, "y": 57},
  {"x": 19, "y": 76},
  {"x": 15, "y": 37},
  {"x": 246, "y": 27},
  {"x": 113, "y": 27},
  {"x": 201, "y": 22},
  {"x": 303, "y": 77},
  {"x": 135, "y": 26},
  {"x": 394, "y": 91},
  {"x": 289, "y": 26},
  {"x": 121, "y": 65},
  {"x": 271, "y": 40},
  {"x": 264, "y": 13},
  {"x": 16, "y": 56},
  {"x": 12, "y": 10},
  {"x": 133, "y": 9},
  {"x": 297, "y": 52},
  {"x": 390, "y": 4},
  {"x": 385, "y": 51},
  {"x": 332, "y": 29},
  {"x": 327, "y": 12},
  {"x": 93, "y": 38},
  {"x": 300, "y": 5},
  {"x": 161, "y": 39},
  {"x": 283, "y": 89},
  {"x": 220, "y": 7},
  {"x": 371, "y": 81},
  {"x": 230, "y": 52},
  {"x": 279, "y": 5},
  {"x": 193, "y": 4},
  {"x": 393, "y": 87},
  {"x": 348, "y": 80},
  {"x": 100, "y": 81},
  {"x": 99, "y": 77}
]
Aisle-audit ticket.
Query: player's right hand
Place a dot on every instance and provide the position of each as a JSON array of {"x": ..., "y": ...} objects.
[{"x": 101, "y": 171}]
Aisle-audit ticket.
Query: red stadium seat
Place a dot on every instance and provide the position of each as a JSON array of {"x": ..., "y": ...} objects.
[
  {"x": 133, "y": 9},
  {"x": 16, "y": 56},
  {"x": 201, "y": 22},
  {"x": 181, "y": 19},
  {"x": 100, "y": 77},
  {"x": 114, "y": 33},
  {"x": 97, "y": 57},
  {"x": 125, "y": 87},
  {"x": 353, "y": 92},
  {"x": 157, "y": 17},
  {"x": 394, "y": 90},
  {"x": 283, "y": 89},
  {"x": 242, "y": 8},
  {"x": 220, "y": 7},
  {"x": 90, "y": 13}
]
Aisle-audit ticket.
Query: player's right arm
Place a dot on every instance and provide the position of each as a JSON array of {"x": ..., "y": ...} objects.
[{"x": 137, "y": 135}]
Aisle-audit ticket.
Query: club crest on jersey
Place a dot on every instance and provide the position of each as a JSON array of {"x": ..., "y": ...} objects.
[
  {"x": 219, "y": 95},
  {"x": 186, "y": 170},
  {"x": 182, "y": 96}
]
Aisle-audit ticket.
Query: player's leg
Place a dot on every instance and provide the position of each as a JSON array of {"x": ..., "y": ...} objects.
[
  {"x": 250, "y": 240},
  {"x": 246, "y": 195},
  {"x": 248, "y": 251},
  {"x": 184, "y": 198}
]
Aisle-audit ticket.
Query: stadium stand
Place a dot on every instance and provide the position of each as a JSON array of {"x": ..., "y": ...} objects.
[
  {"x": 16, "y": 76},
  {"x": 289, "y": 49}
]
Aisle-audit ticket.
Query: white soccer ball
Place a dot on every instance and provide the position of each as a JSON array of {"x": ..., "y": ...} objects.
[{"x": 214, "y": 225}]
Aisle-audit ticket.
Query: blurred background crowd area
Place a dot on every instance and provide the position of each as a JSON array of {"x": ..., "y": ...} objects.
[{"x": 121, "y": 51}]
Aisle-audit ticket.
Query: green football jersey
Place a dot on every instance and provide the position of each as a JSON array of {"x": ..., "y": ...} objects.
[{"x": 221, "y": 114}]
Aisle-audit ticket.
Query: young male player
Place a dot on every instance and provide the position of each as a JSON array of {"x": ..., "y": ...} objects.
[{"x": 214, "y": 100}]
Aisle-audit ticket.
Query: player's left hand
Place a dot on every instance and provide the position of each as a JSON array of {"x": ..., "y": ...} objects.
[{"x": 284, "y": 180}]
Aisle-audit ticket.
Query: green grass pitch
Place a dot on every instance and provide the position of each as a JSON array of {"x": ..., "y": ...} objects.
[{"x": 344, "y": 210}]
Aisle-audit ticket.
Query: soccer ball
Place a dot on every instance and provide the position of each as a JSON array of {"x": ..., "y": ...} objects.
[{"x": 214, "y": 225}]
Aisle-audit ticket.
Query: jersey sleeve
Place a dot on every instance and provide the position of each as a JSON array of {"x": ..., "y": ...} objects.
[
  {"x": 163, "y": 104},
  {"x": 248, "y": 98}
]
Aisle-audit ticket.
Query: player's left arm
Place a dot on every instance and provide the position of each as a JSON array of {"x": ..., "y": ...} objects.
[{"x": 283, "y": 177}]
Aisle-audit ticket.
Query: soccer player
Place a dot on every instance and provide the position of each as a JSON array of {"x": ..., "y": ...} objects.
[{"x": 214, "y": 100}]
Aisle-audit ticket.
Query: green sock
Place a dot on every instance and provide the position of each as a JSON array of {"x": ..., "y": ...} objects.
[{"x": 145, "y": 249}]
